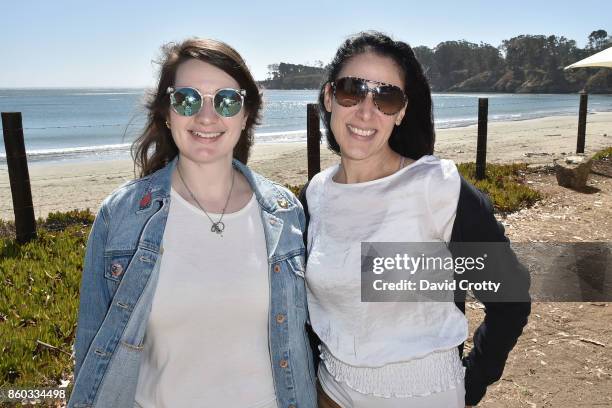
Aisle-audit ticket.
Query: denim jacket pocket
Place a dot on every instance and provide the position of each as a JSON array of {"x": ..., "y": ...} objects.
[
  {"x": 116, "y": 264},
  {"x": 132, "y": 347},
  {"x": 296, "y": 267},
  {"x": 296, "y": 264}
]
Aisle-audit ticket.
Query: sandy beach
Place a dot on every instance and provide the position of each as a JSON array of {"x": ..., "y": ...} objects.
[{"x": 65, "y": 186}]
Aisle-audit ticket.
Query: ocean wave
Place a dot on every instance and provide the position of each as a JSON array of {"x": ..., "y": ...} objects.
[
  {"x": 72, "y": 151},
  {"x": 501, "y": 117},
  {"x": 286, "y": 132},
  {"x": 103, "y": 93},
  {"x": 468, "y": 95},
  {"x": 455, "y": 122},
  {"x": 281, "y": 137},
  {"x": 290, "y": 135},
  {"x": 44, "y": 154}
]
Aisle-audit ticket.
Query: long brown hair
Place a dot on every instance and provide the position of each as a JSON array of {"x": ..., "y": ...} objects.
[{"x": 154, "y": 148}]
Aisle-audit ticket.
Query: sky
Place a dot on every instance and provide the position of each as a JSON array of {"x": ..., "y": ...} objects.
[{"x": 67, "y": 43}]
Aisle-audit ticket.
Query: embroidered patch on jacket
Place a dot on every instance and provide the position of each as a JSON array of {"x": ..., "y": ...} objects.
[
  {"x": 282, "y": 203},
  {"x": 116, "y": 269},
  {"x": 145, "y": 201}
]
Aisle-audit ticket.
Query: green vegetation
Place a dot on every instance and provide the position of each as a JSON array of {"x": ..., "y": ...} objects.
[
  {"x": 523, "y": 64},
  {"x": 295, "y": 189},
  {"x": 603, "y": 154},
  {"x": 530, "y": 63},
  {"x": 503, "y": 184},
  {"x": 292, "y": 76},
  {"x": 40, "y": 283},
  {"x": 59, "y": 221},
  {"x": 39, "y": 300}
]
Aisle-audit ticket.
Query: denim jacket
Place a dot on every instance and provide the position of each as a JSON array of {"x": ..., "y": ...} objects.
[{"x": 120, "y": 275}]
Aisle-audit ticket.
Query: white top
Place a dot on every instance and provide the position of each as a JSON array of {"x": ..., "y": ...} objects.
[
  {"x": 346, "y": 397},
  {"x": 206, "y": 342},
  {"x": 416, "y": 204}
]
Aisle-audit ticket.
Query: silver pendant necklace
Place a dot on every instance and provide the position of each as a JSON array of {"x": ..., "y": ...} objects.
[{"x": 217, "y": 226}]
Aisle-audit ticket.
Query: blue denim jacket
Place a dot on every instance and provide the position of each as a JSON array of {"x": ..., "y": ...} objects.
[{"x": 120, "y": 275}]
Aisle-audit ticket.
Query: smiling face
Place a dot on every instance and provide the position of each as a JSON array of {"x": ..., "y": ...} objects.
[
  {"x": 362, "y": 131},
  {"x": 205, "y": 137}
]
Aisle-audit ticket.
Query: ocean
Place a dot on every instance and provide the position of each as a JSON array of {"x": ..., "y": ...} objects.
[{"x": 99, "y": 124}]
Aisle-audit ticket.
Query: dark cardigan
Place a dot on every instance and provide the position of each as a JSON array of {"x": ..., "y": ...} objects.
[{"x": 504, "y": 321}]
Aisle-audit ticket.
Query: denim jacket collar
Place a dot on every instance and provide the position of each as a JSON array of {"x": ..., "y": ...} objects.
[{"x": 269, "y": 197}]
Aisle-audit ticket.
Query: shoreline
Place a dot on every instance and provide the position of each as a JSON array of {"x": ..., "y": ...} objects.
[
  {"x": 122, "y": 150},
  {"x": 61, "y": 186}
]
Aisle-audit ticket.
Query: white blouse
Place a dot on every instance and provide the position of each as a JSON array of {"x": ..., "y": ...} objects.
[{"x": 364, "y": 342}]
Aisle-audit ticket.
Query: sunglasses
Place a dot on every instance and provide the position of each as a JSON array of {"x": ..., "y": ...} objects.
[
  {"x": 188, "y": 101},
  {"x": 350, "y": 91}
]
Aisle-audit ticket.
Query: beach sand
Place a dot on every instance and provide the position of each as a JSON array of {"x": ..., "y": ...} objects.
[{"x": 70, "y": 185}]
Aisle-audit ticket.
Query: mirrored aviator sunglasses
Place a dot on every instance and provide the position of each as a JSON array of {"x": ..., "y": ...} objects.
[
  {"x": 350, "y": 91},
  {"x": 188, "y": 101}
]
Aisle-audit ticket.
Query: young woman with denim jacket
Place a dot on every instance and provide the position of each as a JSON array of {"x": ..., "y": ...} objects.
[
  {"x": 192, "y": 291},
  {"x": 377, "y": 109}
]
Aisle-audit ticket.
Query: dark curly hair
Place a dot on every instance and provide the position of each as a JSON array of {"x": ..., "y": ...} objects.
[
  {"x": 154, "y": 148},
  {"x": 415, "y": 136}
]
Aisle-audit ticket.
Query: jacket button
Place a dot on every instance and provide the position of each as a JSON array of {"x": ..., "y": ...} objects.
[
  {"x": 116, "y": 269},
  {"x": 284, "y": 363},
  {"x": 282, "y": 203},
  {"x": 272, "y": 221},
  {"x": 280, "y": 318},
  {"x": 277, "y": 268}
]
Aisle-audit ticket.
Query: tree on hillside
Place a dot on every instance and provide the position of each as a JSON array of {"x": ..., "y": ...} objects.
[
  {"x": 525, "y": 63},
  {"x": 273, "y": 71},
  {"x": 293, "y": 76},
  {"x": 487, "y": 58},
  {"x": 425, "y": 56},
  {"x": 456, "y": 61},
  {"x": 451, "y": 61},
  {"x": 525, "y": 51},
  {"x": 598, "y": 40}
]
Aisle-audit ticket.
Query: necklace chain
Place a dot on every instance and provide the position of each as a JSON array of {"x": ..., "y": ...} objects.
[{"x": 217, "y": 226}]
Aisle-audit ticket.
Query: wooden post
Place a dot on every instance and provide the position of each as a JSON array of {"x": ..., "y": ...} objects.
[
  {"x": 313, "y": 139},
  {"x": 481, "y": 146},
  {"x": 25, "y": 223},
  {"x": 582, "y": 118}
]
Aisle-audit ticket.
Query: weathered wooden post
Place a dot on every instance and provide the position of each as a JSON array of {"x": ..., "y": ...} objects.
[
  {"x": 313, "y": 139},
  {"x": 16, "y": 160},
  {"x": 582, "y": 119},
  {"x": 481, "y": 146}
]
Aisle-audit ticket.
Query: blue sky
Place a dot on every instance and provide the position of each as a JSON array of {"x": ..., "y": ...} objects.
[{"x": 66, "y": 43}]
